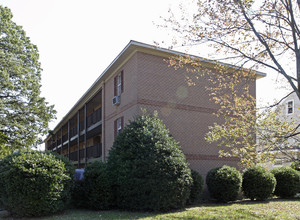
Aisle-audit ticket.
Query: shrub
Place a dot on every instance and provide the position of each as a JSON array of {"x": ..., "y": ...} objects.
[
  {"x": 296, "y": 165},
  {"x": 69, "y": 182},
  {"x": 224, "y": 183},
  {"x": 33, "y": 183},
  {"x": 78, "y": 195},
  {"x": 148, "y": 168},
  {"x": 196, "y": 187},
  {"x": 1, "y": 204},
  {"x": 97, "y": 186},
  {"x": 288, "y": 182},
  {"x": 258, "y": 183}
]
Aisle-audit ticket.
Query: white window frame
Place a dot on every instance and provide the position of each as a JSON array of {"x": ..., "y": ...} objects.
[
  {"x": 119, "y": 125},
  {"x": 119, "y": 85},
  {"x": 290, "y": 107}
]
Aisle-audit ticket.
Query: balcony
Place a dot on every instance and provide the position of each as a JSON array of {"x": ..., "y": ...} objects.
[
  {"x": 91, "y": 152},
  {"x": 65, "y": 138},
  {"x": 74, "y": 156},
  {"x": 94, "y": 117},
  {"x": 73, "y": 131},
  {"x": 81, "y": 125},
  {"x": 58, "y": 142},
  {"x": 94, "y": 151},
  {"x": 81, "y": 154},
  {"x": 51, "y": 146}
]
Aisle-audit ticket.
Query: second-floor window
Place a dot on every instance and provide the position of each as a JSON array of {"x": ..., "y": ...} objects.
[{"x": 290, "y": 107}]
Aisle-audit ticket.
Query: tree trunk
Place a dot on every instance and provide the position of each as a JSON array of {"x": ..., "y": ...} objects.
[{"x": 298, "y": 72}]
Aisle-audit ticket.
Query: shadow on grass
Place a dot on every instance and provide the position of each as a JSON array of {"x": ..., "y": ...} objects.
[
  {"x": 213, "y": 203},
  {"x": 190, "y": 212}
]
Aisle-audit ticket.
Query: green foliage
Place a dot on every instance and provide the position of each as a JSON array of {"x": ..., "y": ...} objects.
[
  {"x": 33, "y": 183},
  {"x": 288, "y": 182},
  {"x": 258, "y": 183},
  {"x": 79, "y": 195},
  {"x": 196, "y": 187},
  {"x": 236, "y": 32},
  {"x": 24, "y": 113},
  {"x": 251, "y": 134},
  {"x": 296, "y": 165},
  {"x": 148, "y": 168},
  {"x": 224, "y": 183},
  {"x": 70, "y": 171},
  {"x": 4, "y": 149},
  {"x": 97, "y": 186}
]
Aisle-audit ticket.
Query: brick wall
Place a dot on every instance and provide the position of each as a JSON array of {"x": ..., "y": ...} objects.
[{"x": 186, "y": 110}]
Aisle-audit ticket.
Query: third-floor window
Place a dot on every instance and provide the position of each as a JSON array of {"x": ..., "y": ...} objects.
[{"x": 119, "y": 84}]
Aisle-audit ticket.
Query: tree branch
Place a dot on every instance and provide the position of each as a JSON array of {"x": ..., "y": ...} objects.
[{"x": 264, "y": 43}]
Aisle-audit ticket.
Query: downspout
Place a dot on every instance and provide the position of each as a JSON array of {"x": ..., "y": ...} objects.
[
  {"x": 103, "y": 122},
  {"x": 85, "y": 133}
]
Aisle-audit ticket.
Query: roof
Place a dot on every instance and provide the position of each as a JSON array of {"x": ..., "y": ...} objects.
[{"x": 124, "y": 55}]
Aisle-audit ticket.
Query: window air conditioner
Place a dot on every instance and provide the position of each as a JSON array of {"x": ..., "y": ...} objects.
[{"x": 116, "y": 100}]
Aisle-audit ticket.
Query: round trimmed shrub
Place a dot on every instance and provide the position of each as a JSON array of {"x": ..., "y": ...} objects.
[
  {"x": 288, "y": 182},
  {"x": 97, "y": 186},
  {"x": 147, "y": 167},
  {"x": 196, "y": 187},
  {"x": 224, "y": 183},
  {"x": 258, "y": 183},
  {"x": 33, "y": 183}
]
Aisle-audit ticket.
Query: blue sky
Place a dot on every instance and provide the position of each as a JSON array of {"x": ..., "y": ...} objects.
[{"x": 78, "y": 39}]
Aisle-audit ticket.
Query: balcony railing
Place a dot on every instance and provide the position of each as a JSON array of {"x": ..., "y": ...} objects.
[
  {"x": 81, "y": 125},
  {"x": 94, "y": 151},
  {"x": 91, "y": 152},
  {"x": 51, "y": 146},
  {"x": 91, "y": 120},
  {"x": 58, "y": 142},
  {"x": 73, "y": 131},
  {"x": 94, "y": 117},
  {"x": 74, "y": 156},
  {"x": 81, "y": 153},
  {"x": 65, "y": 138}
]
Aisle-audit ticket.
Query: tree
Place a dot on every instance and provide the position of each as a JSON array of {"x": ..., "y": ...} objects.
[
  {"x": 247, "y": 31},
  {"x": 24, "y": 114},
  {"x": 251, "y": 35},
  {"x": 254, "y": 135}
]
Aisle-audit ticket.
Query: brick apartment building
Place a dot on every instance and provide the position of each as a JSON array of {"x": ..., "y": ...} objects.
[{"x": 139, "y": 77}]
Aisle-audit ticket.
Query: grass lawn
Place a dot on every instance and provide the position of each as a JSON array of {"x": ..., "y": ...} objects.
[{"x": 271, "y": 209}]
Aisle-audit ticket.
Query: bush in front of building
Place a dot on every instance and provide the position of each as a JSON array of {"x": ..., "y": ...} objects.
[
  {"x": 33, "y": 183},
  {"x": 69, "y": 183},
  {"x": 258, "y": 183},
  {"x": 224, "y": 183},
  {"x": 296, "y": 165},
  {"x": 78, "y": 195},
  {"x": 147, "y": 167},
  {"x": 1, "y": 204},
  {"x": 196, "y": 187},
  {"x": 97, "y": 186},
  {"x": 288, "y": 182}
]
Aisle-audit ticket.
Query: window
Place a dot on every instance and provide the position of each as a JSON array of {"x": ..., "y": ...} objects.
[
  {"x": 119, "y": 84},
  {"x": 290, "y": 107},
  {"x": 118, "y": 125}
]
